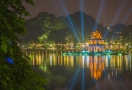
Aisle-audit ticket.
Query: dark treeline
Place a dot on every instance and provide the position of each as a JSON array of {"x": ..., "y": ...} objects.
[{"x": 46, "y": 27}]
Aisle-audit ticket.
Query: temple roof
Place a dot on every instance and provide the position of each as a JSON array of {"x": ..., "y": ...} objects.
[{"x": 96, "y": 35}]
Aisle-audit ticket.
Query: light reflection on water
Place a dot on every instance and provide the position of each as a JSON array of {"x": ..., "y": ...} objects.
[{"x": 107, "y": 72}]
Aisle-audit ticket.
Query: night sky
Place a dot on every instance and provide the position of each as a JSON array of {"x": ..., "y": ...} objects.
[{"x": 107, "y": 12}]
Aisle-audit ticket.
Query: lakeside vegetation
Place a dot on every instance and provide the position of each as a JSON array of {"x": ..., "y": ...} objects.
[
  {"x": 49, "y": 31},
  {"x": 46, "y": 28},
  {"x": 15, "y": 71}
]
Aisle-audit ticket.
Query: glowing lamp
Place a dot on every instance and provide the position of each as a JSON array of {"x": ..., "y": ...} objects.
[
  {"x": 9, "y": 60},
  {"x": 83, "y": 51}
]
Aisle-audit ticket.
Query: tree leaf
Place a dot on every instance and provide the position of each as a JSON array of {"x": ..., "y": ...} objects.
[{"x": 4, "y": 44}]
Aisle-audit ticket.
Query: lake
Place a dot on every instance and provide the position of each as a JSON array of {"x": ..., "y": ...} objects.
[{"x": 88, "y": 72}]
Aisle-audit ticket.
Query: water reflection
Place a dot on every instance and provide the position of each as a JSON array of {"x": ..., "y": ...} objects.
[{"x": 64, "y": 72}]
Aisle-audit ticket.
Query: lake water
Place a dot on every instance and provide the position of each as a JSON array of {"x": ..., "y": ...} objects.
[{"x": 107, "y": 72}]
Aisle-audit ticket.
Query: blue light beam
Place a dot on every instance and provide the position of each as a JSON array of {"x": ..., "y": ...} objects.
[
  {"x": 118, "y": 30},
  {"x": 72, "y": 26},
  {"x": 55, "y": 7},
  {"x": 74, "y": 78},
  {"x": 82, "y": 18},
  {"x": 96, "y": 84},
  {"x": 127, "y": 15},
  {"x": 119, "y": 12},
  {"x": 102, "y": 4},
  {"x": 105, "y": 33},
  {"x": 116, "y": 16},
  {"x": 106, "y": 75},
  {"x": 83, "y": 80}
]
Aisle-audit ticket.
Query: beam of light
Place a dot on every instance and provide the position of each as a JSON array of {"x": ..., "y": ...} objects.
[
  {"x": 124, "y": 20},
  {"x": 74, "y": 79},
  {"x": 55, "y": 7},
  {"x": 72, "y": 26},
  {"x": 96, "y": 84},
  {"x": 106, "y": 75},
  {"x": 118, "y": 29},
  {"x": 82, "y": 25},
  {"x": 82, "y": 18},
  {"x": 119, "y": 12},
  {"x": 105, "y": 33},
  {"x": 83, "y": 81},
  {"x": 116, "y": 16},
  {"x": 102, "y": 4},
  {"x": 127, "y": 15},
  {"x": 63, "y": 6},
  {"x": 60, "y": 13},
  {"x": 122, "y": 84}
]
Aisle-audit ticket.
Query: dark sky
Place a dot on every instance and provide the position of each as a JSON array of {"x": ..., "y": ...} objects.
[{"x": 107, "y": 12}]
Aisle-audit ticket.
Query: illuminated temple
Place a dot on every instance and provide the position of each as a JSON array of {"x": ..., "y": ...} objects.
[{"x": 96, "y": 43}]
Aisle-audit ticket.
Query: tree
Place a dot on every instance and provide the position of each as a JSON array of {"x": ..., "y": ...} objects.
[
  {"x": 47, "y": 23},
  {"x": 15, "y": 70},
  {"x": 52, "y": 27}
]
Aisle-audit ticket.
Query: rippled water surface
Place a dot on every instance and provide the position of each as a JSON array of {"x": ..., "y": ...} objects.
[{"x": 93, "y": 72}]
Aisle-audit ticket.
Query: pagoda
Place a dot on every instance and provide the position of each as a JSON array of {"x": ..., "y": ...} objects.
[{"x": 96, "y": 43}]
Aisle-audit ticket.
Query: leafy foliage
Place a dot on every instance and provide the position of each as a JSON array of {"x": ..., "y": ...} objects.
[
  {"x": 15, "y": 70},
  {"x": 65, "y": 29},
  {"x": 58, "y": 28}
]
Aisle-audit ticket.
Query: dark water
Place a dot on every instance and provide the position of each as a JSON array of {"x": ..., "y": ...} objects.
[{"x": 107, "y": 72}]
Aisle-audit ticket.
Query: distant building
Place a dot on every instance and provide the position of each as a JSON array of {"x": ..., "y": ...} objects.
[{"x": 96, "y": 43}]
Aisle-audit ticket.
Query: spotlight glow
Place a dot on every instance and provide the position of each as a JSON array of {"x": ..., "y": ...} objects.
[
  {"x": 119, "y": 12},
  {"x": 96, "y": 84},
  {"x": 127, "y": 15},
  {"x": 74, "y": 78},
  {"x": 116, "y": 16},
  {"x": 83, "y": 80},
  {"x": 55, "y": 7},
  {"x": 71, "y": 26},
  {"x": 106, "y": 75},
  {"x": 82, "y": 25},
  {"x": 118, "y": 30},
  {"x": 82, "y": 18},
  {"x": 102, "y": 4}
]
